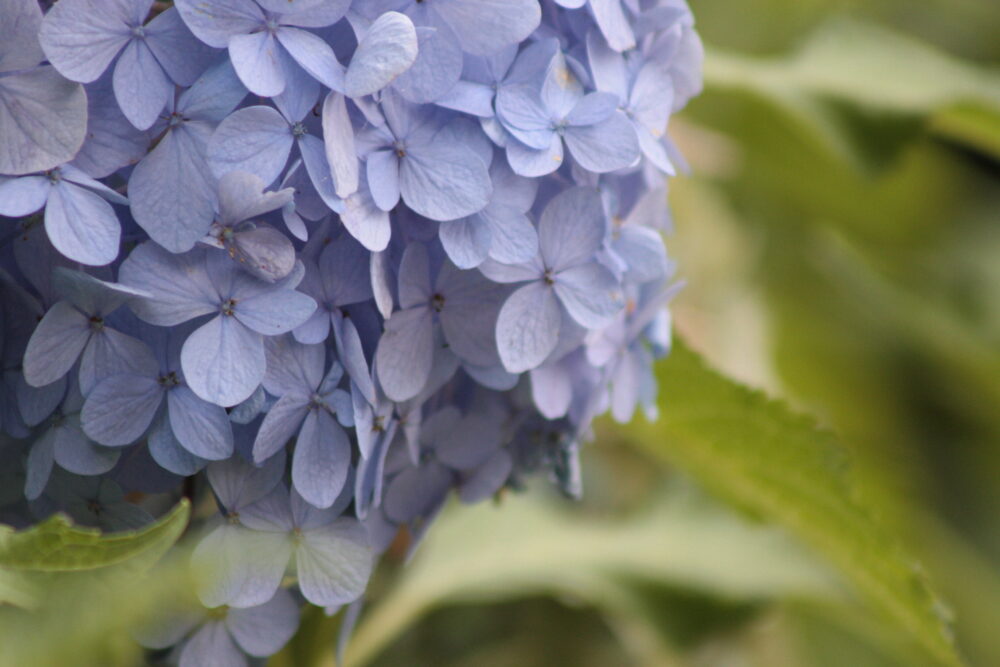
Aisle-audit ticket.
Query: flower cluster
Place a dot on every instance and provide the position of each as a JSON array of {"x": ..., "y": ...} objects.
[{"x": 326, "y": 260}]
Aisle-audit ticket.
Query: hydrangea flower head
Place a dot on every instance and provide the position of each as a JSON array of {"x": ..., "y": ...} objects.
[{"x": 341, "y": 259}]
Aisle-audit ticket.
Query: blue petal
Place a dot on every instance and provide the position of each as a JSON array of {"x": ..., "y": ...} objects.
[
  {"x": 183, "y": 56},
  {"x": 258, "y": 60},
  {"x": 211, "y": 645},
  {"x": 109, "y": 353},
  {"x": 172, "y": 189},
  {"x": 590, "y": 293},
  {"x": 242, "y": 197},
  {"x": 414, "y": 277},
  {"x": 204, "y": 429},
  {"x": 551, "y": 390},
  {"x": 214, "y": 23},
  {"x": 112, "y": 142},
  {"x": 469, "y": 313},
  {"x": 320, "y": 175},
  {"x": 338, "y": 139},
  {"x": 120, "y": 408},
  {"x": 293, "y": 367},
  {"x": 223, "y": 361},
  {"x": 444, "y": 182},
  {"x": 593, "y": 108},
  {"x": 55, "y": 345},
  {"x": 607, "y": 146},
  {"x": 466, "y": 240},
  {"x": 322, "y": 459},
  {"x": 19, "y": 47},
  {"x": 22, "y": 196},
  {"x": 262, "y": 631},
  {"x": 334, "y": 563},
  {"x": 383, "y": 178},
  {"x": 73, "y": 451},
  {"x": 239, "y": 567},
  {"x": 486, "y": 26},
  {"x": 437, "y": 68},
  {"x": 352, "y": 355},
  {"x": 256, "y": 140},
  {"x": 43, "y": 120},
  {"x": 279, "y": 426},
  {"x": 141, "y": 87},
  {"x": 81, "y": 37},
  {"x": 487, "y": 479},
  {"x": 81, "y": 225},
  {"x": 238, "y": 484},
  {"x": 405, "y": 353},
  {"x": 572, "y": 228},
  {"x": 276, "y": 312},
  {"x": 178, "y": 285},
  {"x": 168, "y": 453},
  {"x": 364, "y": 220},
  {"x": 314, "y": 56},
  {"x": 528, "y": 327},
  {"x": 531, "y": 163},
  {"x": 387, "y": 50},
  {"x": 416, "y": 492},
  {"x": 611, "y": 19}
]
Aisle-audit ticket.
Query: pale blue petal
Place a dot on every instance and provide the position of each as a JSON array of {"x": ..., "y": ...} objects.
[
  {"x": 81, "y": 225},
  {"x": 315, "y": 15},
  {"x": 215, "y": 22},
  {"x": 607, "y": 146},
  {"x": 469, "y": 97},
  {"x": 211, "y": 645},
  {"x": 414, "y": 277},
  {"x": 75, "y": 453},
  {"x": 486, "y": 26},
  {"x": 467, "y": 240},
  {"x": 168, "y": 453},
  {"x": 405, "y": 353},
  {"x": 487, "y": 479},
  {"x": 178, "y": 284},
  {"x": 55, "y": 345},
  {"x": 239, "y": 567},
  {"x": 590, "y": 293},
  {"x": 531, "y": 163},
  {"x": 201, "y": 427},
  {"x": 120, "y": 408},
  {"x": 43, "y": 120},
  {"x": 416, "y": 492},
  {"x": 172, "y": 190},
  {"x": 513, "y": 239},
  {"x": 383, "y": 178},
  {"x": 437, "y": 68},
  {"x": 334, "y": 563},
  {"x": 551, "y": 390},
  {"x": 22, "y": 196},
  {"x": 611, "y": 19},
  {"x": 262, "y": 631},
  {"x": 39, "y": 465},
  {"x": 182, "y": 55},
  {"x": 469, "y": 313},
  {"x": 607, "y": 67},
  {"x": 643, "y": 251},
  {"x": 524, "y": 115},
  {"x": 572, "y": 228},
  {"x": 528, "y": 327},
  {"x": 387, "y": 50},
  {"x": 277, "y": 312},
  {"x": 35, "y": 404},
  {"x": 352, "y": 355},
  {"x": 223, "y": 361},
  {"x": 257, "y": 59},
  {"x": 256, "y": 140},
  {"x": 366, "y": 221},
  {"x": 593, "y": 108},
  {"x": 338, "y": 139},
  {"x": 444, "y": 182},
  {"x": 242, "y": 197},
  {"x": 141, "y": 87},
  {"x": 19, "y": 48},
  {"x": 322, "y": 459},
  {"x": 109, "y": 353},
  {"x": 238, "y": 484},
  {"x": 314, "y": 56},
  {"x": 320, "y": 175},
  {"x": 214, "y": 95},
  {"x": 279, "y": 425},
  {"x": 81, "y": 37},
  {"x": 512, "y": 273}
]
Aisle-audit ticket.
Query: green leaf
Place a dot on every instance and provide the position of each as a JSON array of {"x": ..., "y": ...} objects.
[
  {"x": 755, "y": 452},
  {"x": 874, "y": 68},
  {"x": 56, "y": 545},
  {"x": 527, "y": 547}
]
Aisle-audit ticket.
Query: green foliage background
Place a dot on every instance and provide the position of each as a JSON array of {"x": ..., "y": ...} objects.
[{"x": 840, "y": 241}]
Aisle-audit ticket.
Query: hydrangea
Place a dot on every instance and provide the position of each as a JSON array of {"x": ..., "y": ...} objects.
[{"x": 338, "y": 258}]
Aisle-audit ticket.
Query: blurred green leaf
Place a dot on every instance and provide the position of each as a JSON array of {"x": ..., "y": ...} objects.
[
  {"x": 873, "y": 68},
  {"x": 56, "y": 545},
  {"x": 528, "y": 547},
  {"x": 755, "y": 452}
]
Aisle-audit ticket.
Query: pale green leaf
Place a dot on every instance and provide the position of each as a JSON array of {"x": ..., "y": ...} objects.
[
  {"x": 779, "y": 465},
  {"x": 56, "y": 545}
]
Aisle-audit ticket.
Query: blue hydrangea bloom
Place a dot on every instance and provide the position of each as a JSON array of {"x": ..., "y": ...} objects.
[{"x": 329, "y": 262}]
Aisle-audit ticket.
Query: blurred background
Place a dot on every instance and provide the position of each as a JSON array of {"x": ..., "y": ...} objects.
[{"x": 840, "y": 240}]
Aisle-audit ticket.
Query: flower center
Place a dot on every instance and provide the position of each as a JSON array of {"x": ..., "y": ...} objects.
[{"x": 228, "y": 307}]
